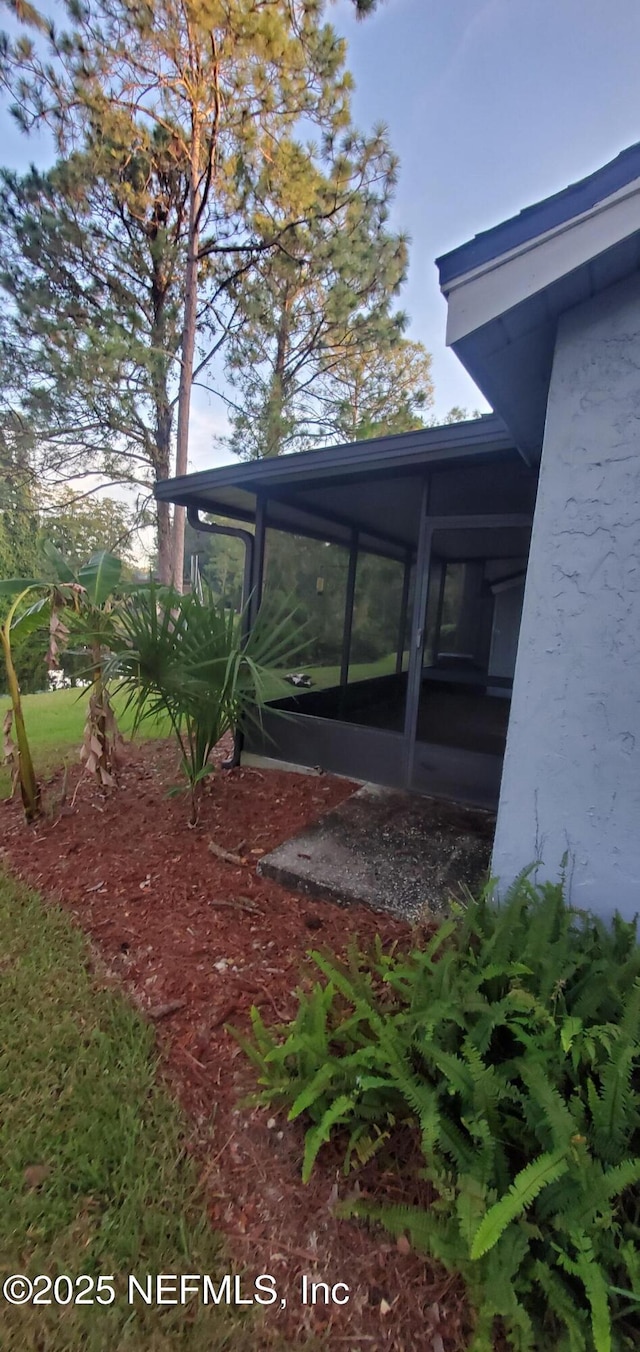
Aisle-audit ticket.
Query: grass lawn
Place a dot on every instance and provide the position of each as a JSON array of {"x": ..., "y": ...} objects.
[
  {"x": 55, "y": 721},
  {"x": 94, "y": 1177},
  {"x": 358, "y": 671}
]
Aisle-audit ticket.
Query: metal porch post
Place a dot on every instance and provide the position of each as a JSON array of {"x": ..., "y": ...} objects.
[
  {"x": 348, "y": 609},
  {"x": 257, "y": 569},
  {"x": 414, "y": 678},
  {"x": 438, "y": 624},
  {"x": 255, "y": 597},
  {"x": 404, "y": 608}
]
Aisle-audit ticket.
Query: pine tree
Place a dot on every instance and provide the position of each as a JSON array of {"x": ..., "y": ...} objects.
[
  {"x": 376, "y": 391},
  {"x": 328, "y": 293},
  {"x": 91, "y": 257},
  {"x": 207, "y": 91}
]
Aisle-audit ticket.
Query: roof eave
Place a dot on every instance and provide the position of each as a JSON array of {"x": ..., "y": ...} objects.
[
  {"x": 427, "y": 446},
  {"x": 481, "y": 295},
  {"x": 551, "y": 213},
  {"x": 502, "y": 316}
]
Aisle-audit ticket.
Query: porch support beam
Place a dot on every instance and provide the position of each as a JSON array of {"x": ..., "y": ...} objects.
[
  {"x": 428, "y": 526},
  {"x": 504, "y": 520},
  {"x": 257, "y": 571},
  {"x": 438, "y": 623},
  {"x": 421, "y": 591},
  {"x": 348, "y": 609},
  {"x": 404, "y": 608}
]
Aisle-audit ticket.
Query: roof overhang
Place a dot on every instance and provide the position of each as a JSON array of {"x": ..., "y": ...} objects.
[
  {"x": 372, "y": 487},
  {"x": 503, "y": 310}
]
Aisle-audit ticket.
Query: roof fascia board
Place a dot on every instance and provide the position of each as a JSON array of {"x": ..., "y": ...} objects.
[
  {"x": 488, "y": 291},
  {"x": 561, "y": 206},
  {"x": 460, "y": 441}
]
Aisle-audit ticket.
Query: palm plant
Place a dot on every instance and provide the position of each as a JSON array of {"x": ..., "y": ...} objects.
[{"x": 184, "y": 657}]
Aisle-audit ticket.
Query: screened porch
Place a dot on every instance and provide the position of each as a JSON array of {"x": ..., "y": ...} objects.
[{"x": 406, "y": 559}]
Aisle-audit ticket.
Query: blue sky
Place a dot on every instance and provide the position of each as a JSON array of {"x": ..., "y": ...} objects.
[{"x": 491, "y": 105}]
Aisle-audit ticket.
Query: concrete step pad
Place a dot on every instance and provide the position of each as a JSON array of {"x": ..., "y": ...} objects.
[{"x": 393, "y": 851}]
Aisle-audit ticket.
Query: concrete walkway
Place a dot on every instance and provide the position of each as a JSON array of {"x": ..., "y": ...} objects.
[{"x": 395, "y": 851}]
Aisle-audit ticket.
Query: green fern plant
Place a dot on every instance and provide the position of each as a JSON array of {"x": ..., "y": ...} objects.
[{"x": 510, "y": 1045}]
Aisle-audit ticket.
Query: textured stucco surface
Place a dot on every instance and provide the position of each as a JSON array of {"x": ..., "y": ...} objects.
[{"x": 571, "y": 779}]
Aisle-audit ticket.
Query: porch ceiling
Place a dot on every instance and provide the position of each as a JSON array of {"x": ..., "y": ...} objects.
[{"x": 372, "y": 487}]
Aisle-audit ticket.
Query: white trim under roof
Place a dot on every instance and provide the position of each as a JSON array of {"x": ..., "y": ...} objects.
[{"x": 488, "y": 291}]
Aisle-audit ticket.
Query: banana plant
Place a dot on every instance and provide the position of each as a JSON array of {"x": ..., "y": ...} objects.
[
  {"x": 15, "y": 625},
  {"x": 93, "y": 627},
  {"x": 67, "y": 602}
]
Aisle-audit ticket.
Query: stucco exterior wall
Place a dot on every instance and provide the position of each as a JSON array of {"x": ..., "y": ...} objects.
[{"x": 571, "y": 779}]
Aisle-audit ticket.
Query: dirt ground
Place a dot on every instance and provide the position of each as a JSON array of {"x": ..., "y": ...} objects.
[{"x": 197, "y": 939}]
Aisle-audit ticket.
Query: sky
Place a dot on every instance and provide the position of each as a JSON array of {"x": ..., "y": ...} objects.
[{"x": 491, "y": 105}]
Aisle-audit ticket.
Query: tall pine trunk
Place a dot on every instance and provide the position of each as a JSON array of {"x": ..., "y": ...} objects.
[
  {"x": 162, "y": 468},
  {"x": 163, "y": 411},
  {"x": 277, "y": 399},
  {"x": 165, "y": 553},
  {"x": 187, "y": 354},
  {"x": 162, "y": 465}
]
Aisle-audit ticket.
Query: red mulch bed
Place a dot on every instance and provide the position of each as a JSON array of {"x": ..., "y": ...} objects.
[{"x": 196, "y": 940}]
